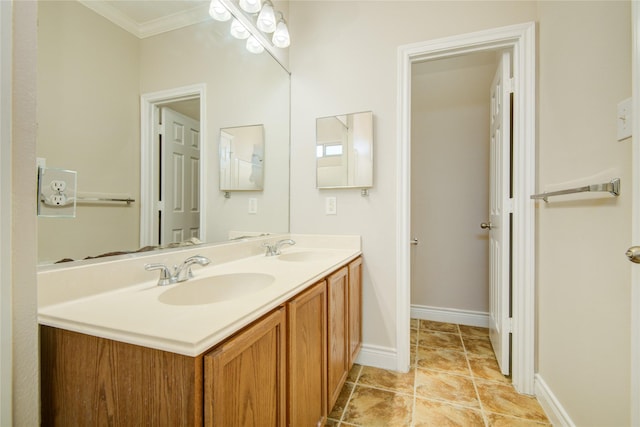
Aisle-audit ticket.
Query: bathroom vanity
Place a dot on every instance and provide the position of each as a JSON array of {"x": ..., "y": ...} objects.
[{"x": 277, "y": 356}]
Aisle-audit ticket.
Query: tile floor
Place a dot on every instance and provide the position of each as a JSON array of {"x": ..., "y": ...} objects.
[{"x": 453, "y": 381}]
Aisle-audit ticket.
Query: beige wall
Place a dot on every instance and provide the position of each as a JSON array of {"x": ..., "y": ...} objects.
[
  {"x": 25, "y": 395},
  {"x": 583, "y": 278},
  {"x": 450, "y": 182},
  {"x": 88, "y": 121},
  {"x": 344, "y": 59}
]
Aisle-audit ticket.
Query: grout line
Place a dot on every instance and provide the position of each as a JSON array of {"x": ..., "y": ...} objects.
[
  {"x": 346, "y": 405},
  {"x": 475, "y": 386}
]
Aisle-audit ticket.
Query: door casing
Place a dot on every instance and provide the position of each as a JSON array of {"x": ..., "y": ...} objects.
[{"x": 520, "y": 39}]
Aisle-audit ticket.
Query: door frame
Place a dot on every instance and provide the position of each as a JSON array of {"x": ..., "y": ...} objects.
[
  {"x": 148, "y": 152},
  {"x": 635, "y": 215},
  {"x": 521, "y": 39}
]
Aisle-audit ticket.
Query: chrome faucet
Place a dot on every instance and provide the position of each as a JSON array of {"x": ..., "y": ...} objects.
[
  {"x": 274, "y": 248},
  {"x": 180, "y": 273}
]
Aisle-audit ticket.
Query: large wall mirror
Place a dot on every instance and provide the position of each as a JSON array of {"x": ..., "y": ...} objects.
[
  {"x": 94, "y": 73},
  {"x": 344, "y": 151}
]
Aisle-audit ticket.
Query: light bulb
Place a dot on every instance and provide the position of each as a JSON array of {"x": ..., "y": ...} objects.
[
  {"x": 281, "y": 35},
  {"x": 254, "y": 46},
  {"x": 267, "y": 19},
  {"x": 238, "y": 30},
  {"x": 251, "y": 6},
  {"x": 218, "y": 11}
]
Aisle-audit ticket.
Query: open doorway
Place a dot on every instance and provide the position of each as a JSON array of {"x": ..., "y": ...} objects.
[
  {"x": 173, "y": 184},
  {"x": 520, "y": 41}
]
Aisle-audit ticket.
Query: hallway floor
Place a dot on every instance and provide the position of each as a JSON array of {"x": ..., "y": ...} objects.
[{"x": 454, "y": 380}]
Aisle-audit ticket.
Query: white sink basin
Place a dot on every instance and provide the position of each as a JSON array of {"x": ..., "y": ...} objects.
[
  {"x": 216, "y": 288},
  {"x": 304, "y": 256}
]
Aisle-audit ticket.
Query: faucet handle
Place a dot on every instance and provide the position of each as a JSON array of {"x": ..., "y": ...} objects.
[{"x": 165, "y": 274}]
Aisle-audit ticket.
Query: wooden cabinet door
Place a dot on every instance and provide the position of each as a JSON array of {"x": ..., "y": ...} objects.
[
  {"x": 245, "y": 378},
  {"x": 355, "y": 309},
  {"x": 307, "y": 341},
  {"x": 338, "y": 332}
]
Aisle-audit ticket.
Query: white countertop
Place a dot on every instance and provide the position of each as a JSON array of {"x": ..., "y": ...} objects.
[{"x": 134, "y": 313}]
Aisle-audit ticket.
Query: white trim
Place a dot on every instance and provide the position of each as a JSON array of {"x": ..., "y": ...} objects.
[
  {"x": 521, "y": 39},
  {"x": 635, "y": 224},
  {"x": 450, "y": 315},
  {"x": 551, "y": 405},
  {"x": 377, "y": 356},
  {"x": 148, "y": 168},
  {"x": 6, "y": 335},
  {"x": 150, "y": 28}
]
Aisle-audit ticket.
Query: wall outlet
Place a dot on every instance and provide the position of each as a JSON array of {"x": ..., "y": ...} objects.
[
  {"x": 58, "y": 185},
  {"x": 625, "y": 119},
  {"x": 253, "y": 205},
  {"x": 330, "y": 206},
  {"x": 58, "y": 199}
]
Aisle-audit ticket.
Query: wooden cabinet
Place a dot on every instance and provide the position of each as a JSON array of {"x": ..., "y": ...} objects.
[
  {"x": 338, "y": 332},
  {"x": 245, "y": 378},
  {"x": 307, "y": 341},
  {"x": 91, "y": 381},
  {"x": 355, "y": 309}
]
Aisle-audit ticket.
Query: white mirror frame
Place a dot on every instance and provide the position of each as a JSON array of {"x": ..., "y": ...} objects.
[{"x": 148, "y": 168}]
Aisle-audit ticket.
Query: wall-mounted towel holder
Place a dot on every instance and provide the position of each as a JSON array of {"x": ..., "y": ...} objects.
[{"x": 612, "y": 187}]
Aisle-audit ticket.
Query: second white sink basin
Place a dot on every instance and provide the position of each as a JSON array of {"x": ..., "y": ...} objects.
[{"x": 216, "y": 288}]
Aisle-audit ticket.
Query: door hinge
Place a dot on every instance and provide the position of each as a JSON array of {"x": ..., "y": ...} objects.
[
  {"x": 510, "y": 325},
  {"x": 510, "y": 85},
  {"x": 508, "y": 205},
  {"x": 160, "y": 206},
  {"x": 161, "y": 129}
]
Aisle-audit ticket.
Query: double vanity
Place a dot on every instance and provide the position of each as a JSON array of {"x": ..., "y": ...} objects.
[{"x": 251, "y": 339}]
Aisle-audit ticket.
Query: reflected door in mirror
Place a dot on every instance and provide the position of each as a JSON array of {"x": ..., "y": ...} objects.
[{"x": 242, "y": 158}]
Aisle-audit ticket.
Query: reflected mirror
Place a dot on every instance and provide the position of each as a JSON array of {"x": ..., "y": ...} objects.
[
  {"x": 97, "y": 61},
  {"x": 241, "y": 158},
  {"x": 344, "y": 151}
]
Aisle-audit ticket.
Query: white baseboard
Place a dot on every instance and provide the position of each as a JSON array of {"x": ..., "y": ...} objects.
[
  {"x": 450, "y": 315},
  {"x": 378, "y": 357},
  {"x": 551, "y": 405}
]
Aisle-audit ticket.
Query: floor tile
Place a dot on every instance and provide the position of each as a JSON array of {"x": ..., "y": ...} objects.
[
  {"x": 478, "y": 346},
  {"x": 415, "y": 323},
  {"x": 332, "y": 423},
  {"x": 442, "y": 360},
  {"x": 341, "y": 402},
  {"x": 445, "y": 386},
  {"x": 503, "y": 399},
  {"x": 389, "y": 380},
  {"x": 473, "y": 331},
  {"x": 439, "y": 339},
  {"x": 430, "y": 325},
  {"x": 354, "y": 373},
  {"x": 414, "y": 336},
  {"x": 372, "y": 407},
  {"x": 487, "y": 368},
  {"x": 498, "y": 420},
  {"x": 430, "y": 413}
]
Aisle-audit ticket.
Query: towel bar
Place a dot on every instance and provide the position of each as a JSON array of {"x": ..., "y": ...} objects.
[{"x": 612, "y": 187}]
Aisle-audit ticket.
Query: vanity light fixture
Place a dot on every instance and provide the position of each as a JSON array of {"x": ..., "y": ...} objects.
[
  {"x": 254, "y": 46},
  {"x": 281, "y": 35},
  {"x": 251, "y": 6},
  {"x": 266, "y": 21},
  {"x": 238, "y": 30},
  {"x": 218, "y": 12}
]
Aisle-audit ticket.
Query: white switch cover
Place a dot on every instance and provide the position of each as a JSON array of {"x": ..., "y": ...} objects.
[
  {"x": 253, "y": 205},
  {"x": 330, "y": 206},
  {"x": 624, "y": 119}
]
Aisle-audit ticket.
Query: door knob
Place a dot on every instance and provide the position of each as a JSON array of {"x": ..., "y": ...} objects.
[
  {"x": 486, "y": 226},
  {"x": 633, "y": 253},
  {"x": 414, "y": 241}
]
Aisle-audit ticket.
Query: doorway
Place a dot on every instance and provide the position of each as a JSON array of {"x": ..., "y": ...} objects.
[
  {"x": 186, "y": 102},
  {"x": 519, "y": 39}
]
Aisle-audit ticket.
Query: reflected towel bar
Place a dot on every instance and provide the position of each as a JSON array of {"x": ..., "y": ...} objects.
[
  {"x": 612, "y": 187},
  {"x": 127, "y": 200}
]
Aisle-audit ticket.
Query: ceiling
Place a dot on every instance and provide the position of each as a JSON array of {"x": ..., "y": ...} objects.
[{"x": 146, "y": 18}]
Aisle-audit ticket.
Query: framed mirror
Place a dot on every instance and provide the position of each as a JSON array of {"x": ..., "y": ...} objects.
[
  {"x": 242, "y": 158},
  {"x": 344, "y": 151}
]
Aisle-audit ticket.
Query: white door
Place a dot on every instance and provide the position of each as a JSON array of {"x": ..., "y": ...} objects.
[
  {"x": 179, "y": 178},
  {"x": 500, "y": 213}
]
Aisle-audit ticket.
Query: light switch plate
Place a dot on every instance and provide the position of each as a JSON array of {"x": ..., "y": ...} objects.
[
  {"x": 624, "y": 119},
  {"x": 330, "y": 207},
  {"x": 253, "y": 205}
]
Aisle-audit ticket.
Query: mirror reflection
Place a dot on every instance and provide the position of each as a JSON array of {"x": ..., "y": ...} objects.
[
  {"x": 92, "y": 74},
  {"x": 241, "y": 158},
  {"x": 344, "y": 151}
]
